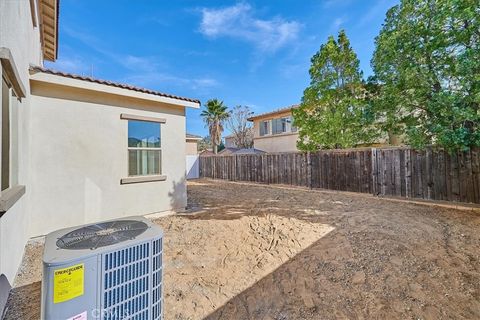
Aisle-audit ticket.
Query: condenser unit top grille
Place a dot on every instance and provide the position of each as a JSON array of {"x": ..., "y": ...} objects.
[
  {"x": 68, "y": 245},
  {"x": 101, "y": 234}
]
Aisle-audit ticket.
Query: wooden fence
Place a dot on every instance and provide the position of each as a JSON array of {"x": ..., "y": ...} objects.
[{"x": 403, "y": 172}]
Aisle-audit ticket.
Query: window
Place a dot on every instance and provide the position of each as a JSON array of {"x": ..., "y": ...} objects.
[
  {"x": 12, "y": 91},
  {"x": 264, "y": 128},
  {"x": 144, "y": 148},
  {"x": 281, "y": 125}
]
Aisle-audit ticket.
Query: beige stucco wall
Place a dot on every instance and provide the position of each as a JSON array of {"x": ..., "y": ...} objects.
[
  {"x": 191, "y": 147},
  {"x": 18, "y": 34},
  {"x": 286, "y": 142},
  {"x": 230, "y": 142},
  {"x": 79, "y": 154}
]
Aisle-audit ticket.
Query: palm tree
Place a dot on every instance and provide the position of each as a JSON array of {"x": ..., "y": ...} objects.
[{"x": 214, "y": 115}]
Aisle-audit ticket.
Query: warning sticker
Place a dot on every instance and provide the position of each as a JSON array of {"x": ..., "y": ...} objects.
[
  {"x": 68, "y": 283},
  {"x": 81, "y": 316}
]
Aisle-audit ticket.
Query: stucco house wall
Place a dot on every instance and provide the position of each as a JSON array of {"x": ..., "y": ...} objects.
[
  {"x": 230, "y": 142},
  {"x": 191, "y": 147},
  {"x": 286, "y": 142},
  {"x": 280, "y": 142},
  {"x": 82, "y": 130},
  {"x": 21, "y": 38}
]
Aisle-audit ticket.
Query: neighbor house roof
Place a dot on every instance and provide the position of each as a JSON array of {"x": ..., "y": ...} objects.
[
  {"x": 36, "y": 69},
  {"x": 272, "y": 113},
  {"x": 249, "y": 151},
  {"x": 193, "y": 136},
  {"x": 207, "y": 153},
  {"x": 228, "y": 150},
  {"x": 48, "y": 12}
]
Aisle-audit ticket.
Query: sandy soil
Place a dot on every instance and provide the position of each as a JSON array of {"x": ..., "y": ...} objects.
[{"x": 264, "y": 252}]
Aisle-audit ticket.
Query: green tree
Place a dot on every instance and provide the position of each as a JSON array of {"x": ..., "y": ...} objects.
[
  {"x": 214, "y": 116},
  {"x": 334, "y": 109},
  {"x": 427, "y": 64}
]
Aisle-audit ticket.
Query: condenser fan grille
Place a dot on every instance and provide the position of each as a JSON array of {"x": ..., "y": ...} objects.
[{"x": 101, "y": 234}]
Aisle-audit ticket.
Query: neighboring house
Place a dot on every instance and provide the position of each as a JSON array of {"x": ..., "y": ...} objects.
[
  {"x": 206, "y": 153},
  {"x": 238, "y": 151},
  {"x": 192, "y": 154},
  {"x": 228, "y": 151},
  {"x": 192, "y": 144},
  {"x": 230, "y": 141},
  {"x": 75, "y": 149},
  {"x": 274, "y": 132},
  {"x": 248, "y": 151}
]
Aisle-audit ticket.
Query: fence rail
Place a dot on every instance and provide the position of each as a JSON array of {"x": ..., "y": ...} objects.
[{"x": 403, "y": 172}]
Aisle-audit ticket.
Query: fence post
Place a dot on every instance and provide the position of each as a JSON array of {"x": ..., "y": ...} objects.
[
  {"x": 374, "y": 174},
  {"x": 309, "y": 169}
]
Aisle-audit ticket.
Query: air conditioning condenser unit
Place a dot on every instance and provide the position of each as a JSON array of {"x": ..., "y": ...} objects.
[{"x": 108, "y": 270}]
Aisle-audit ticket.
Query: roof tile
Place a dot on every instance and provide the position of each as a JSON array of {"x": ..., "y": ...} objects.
[{"x": 110, "y": 83}]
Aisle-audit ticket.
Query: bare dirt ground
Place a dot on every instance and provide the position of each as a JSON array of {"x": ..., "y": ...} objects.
[{"x": 264, "y": 252}]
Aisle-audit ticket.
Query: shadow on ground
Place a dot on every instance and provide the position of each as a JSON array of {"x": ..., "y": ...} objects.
[{"x": 26, "y": 302}]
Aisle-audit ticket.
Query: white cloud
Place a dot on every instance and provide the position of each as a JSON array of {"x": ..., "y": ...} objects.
[
  {"x": 239, "y": 22},
  {"x": 143, "y": 71},
  {"x": 154, "y": 78},
  {"x": 338, "y": 23},
  {"x": 72, "y": 64}
]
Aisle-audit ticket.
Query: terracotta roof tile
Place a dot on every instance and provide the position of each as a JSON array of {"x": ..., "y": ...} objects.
[
  {"x": 273, "y": 112},
  {"x": 110, "y": 83},
  {"x": 193, "y": 136}
]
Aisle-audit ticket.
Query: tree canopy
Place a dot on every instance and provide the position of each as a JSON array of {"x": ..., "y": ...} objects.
[
  {"x": 427, "y": 66},
  {"x": 334, "y": 112}
]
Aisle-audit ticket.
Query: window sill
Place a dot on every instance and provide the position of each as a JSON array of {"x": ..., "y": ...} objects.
[
  {"x": 138, "y": 179},
  {"x": 276, "y": 135},
  {"x": 9, "y": 197}
]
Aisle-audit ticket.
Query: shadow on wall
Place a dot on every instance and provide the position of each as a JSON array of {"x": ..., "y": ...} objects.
[
  {"x": 4, "y": 291},
  {"x": 178, "y": 195}
]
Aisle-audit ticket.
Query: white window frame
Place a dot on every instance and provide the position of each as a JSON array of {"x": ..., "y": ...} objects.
[
  {"x": 269, "y": 128},
  {"x": 287, "y": 125},
  {"x": 143, "y": 178},
  {"x": 15, "y": 90}
]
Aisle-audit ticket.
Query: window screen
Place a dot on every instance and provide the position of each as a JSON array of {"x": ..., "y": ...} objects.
[
  {"x": 264, "y": 128},
  {"x": 144, "y": 148}
]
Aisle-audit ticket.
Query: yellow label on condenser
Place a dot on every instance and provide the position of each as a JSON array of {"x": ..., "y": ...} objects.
[{"x": 68, "y": 283}]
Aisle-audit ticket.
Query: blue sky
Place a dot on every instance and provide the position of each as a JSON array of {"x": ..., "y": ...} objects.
[{"x": 254, "y": 53}]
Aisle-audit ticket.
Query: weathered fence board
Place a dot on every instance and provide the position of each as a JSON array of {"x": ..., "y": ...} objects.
[{"x": 402, "y": 172}]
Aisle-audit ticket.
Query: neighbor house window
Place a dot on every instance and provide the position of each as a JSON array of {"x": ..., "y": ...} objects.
[
  {"x": 281, "y": 125},
  {"x": 144, "y": 148},
  {"x": 264, "y": 128}
]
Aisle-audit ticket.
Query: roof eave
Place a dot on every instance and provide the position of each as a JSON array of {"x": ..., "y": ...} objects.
[
  {"x": 273, "y": 113},
  {"x": 49, "y": 12},
  {"x": 48, "y": 78}
]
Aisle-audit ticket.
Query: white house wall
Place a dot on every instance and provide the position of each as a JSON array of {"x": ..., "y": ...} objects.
[
  {"x": 21, "y": 37},
  {"x": 79, "y": 154}
]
